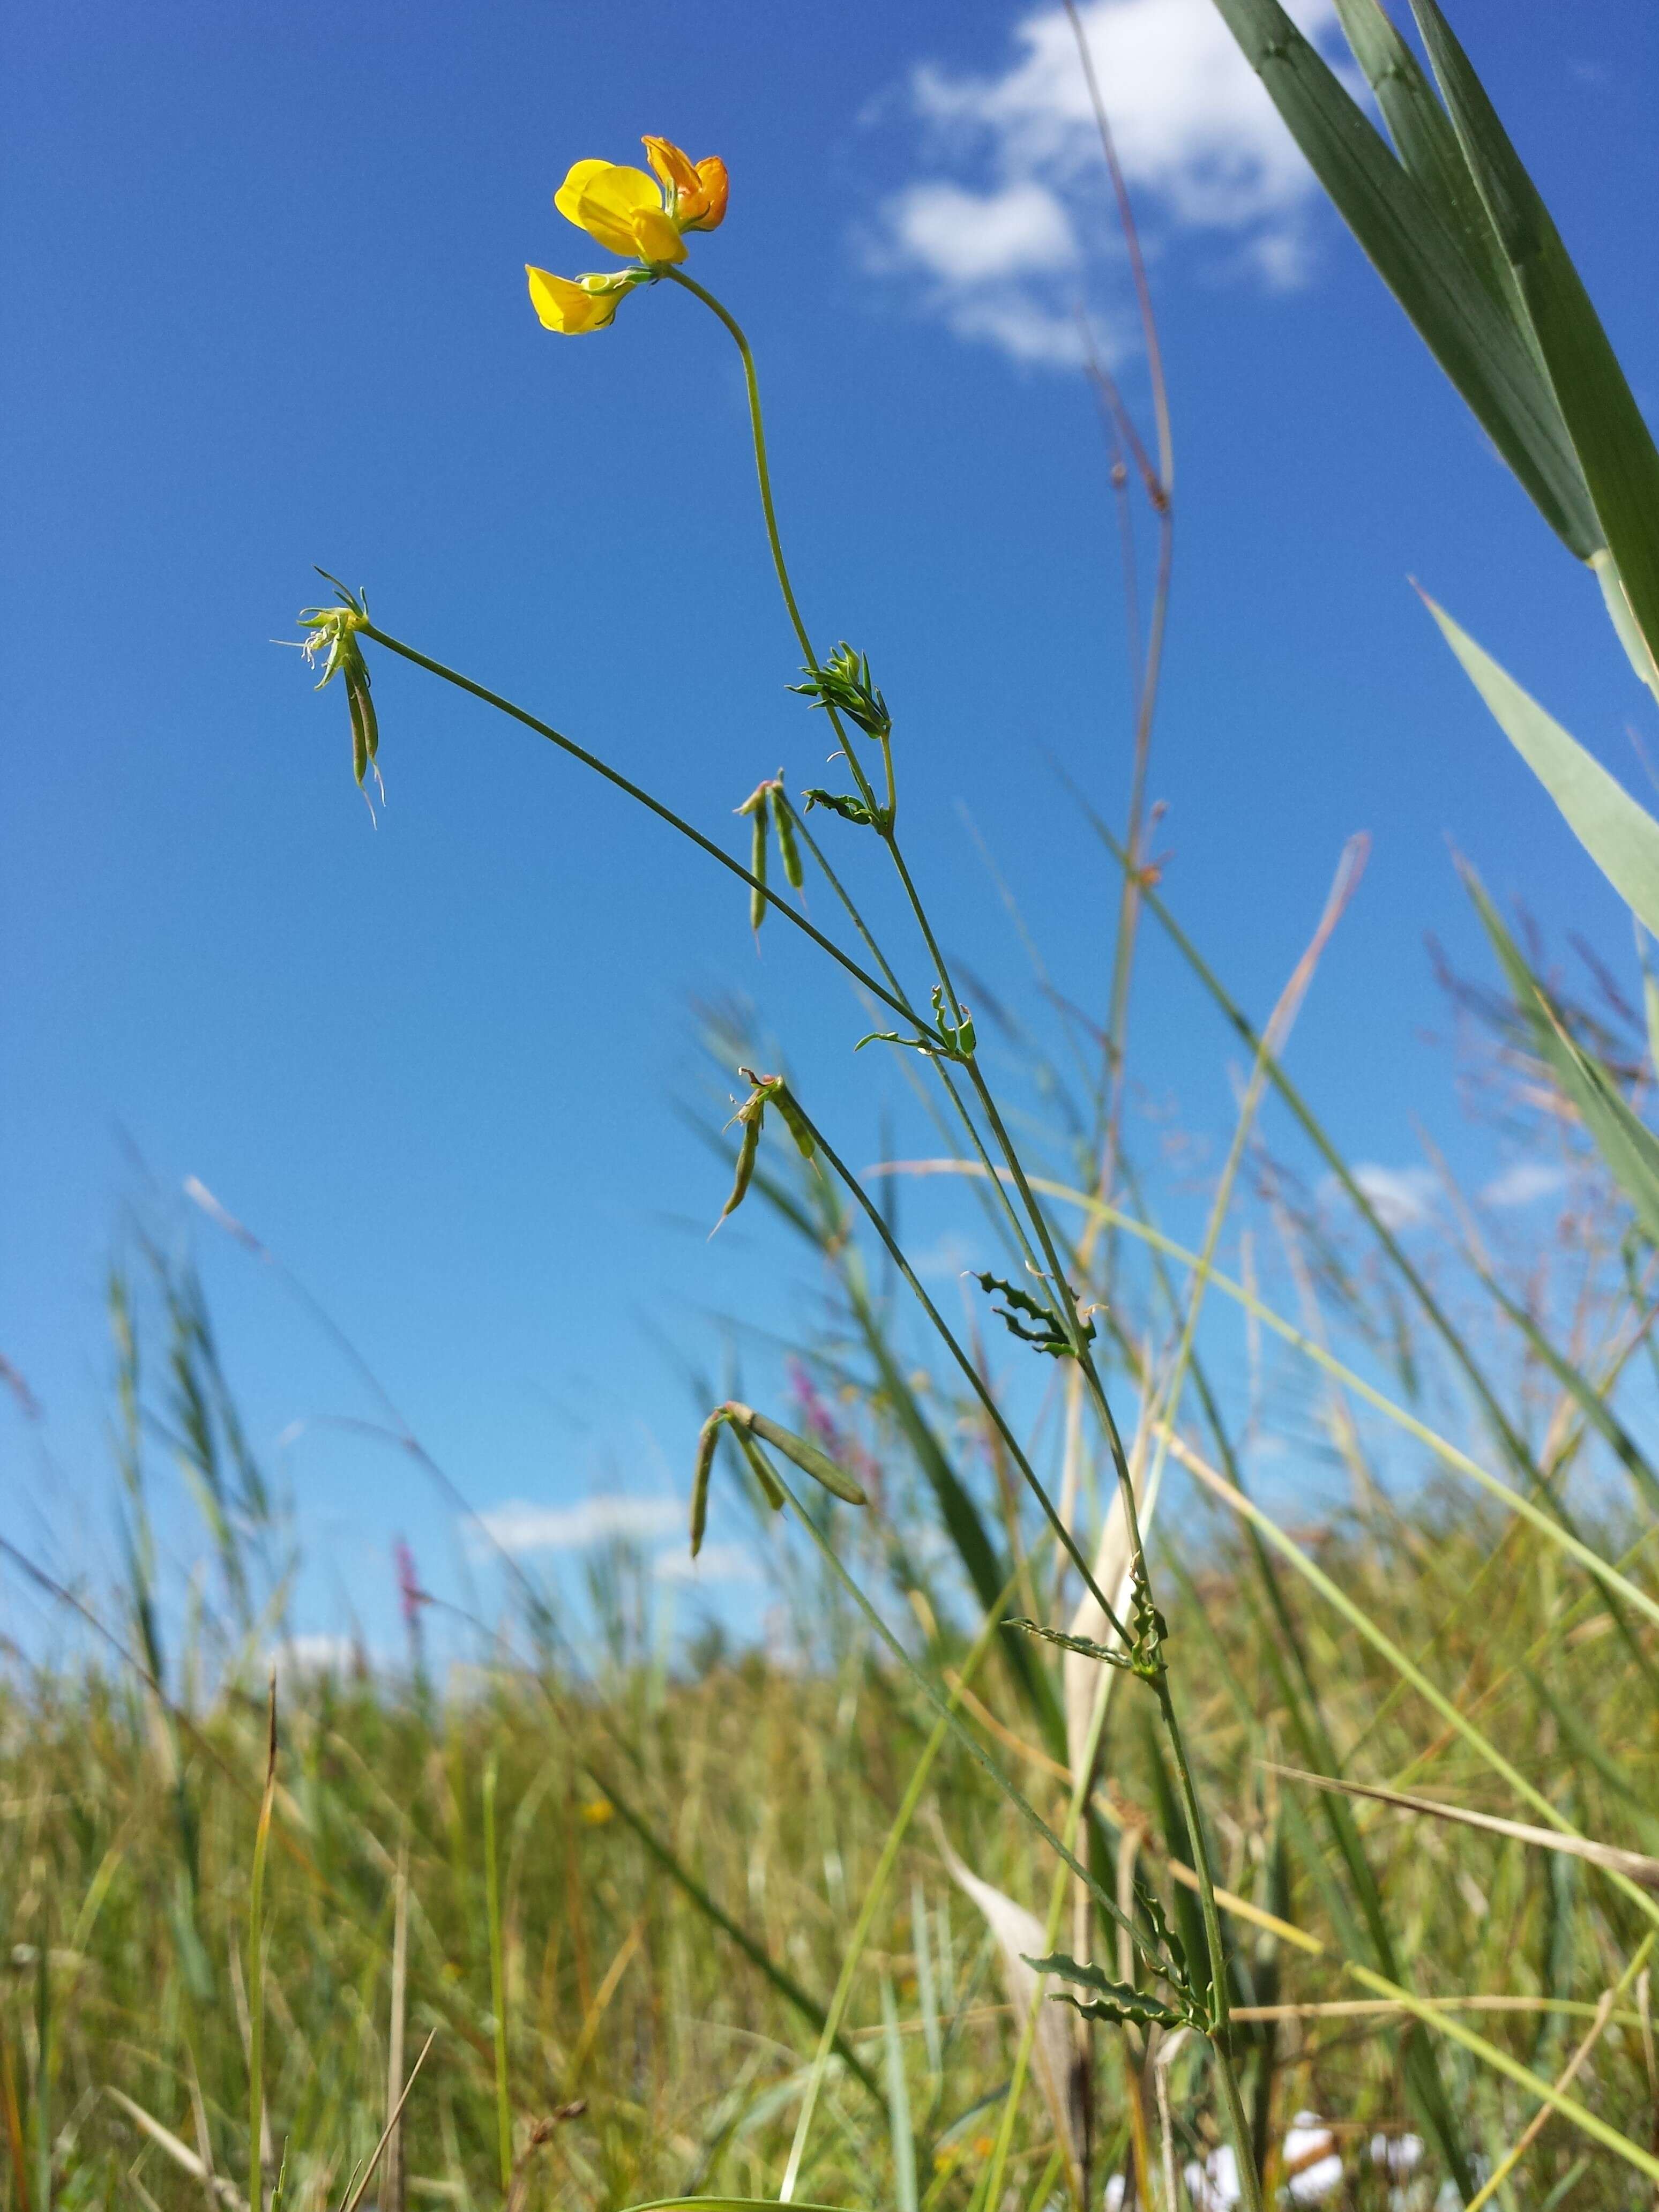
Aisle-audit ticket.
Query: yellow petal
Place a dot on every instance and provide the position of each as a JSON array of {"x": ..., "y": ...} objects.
[
  {"x": 569, "y": 196},
  {"x": 570, "y": 309},
  {"x": 610, "y": 202},
  {"x": 657, "y": 238}
]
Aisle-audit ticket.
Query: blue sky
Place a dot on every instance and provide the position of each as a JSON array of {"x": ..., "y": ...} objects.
[{"x": 265, "y": 308}]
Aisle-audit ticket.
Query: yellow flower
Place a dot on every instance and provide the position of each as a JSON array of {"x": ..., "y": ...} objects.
[
  {"x": 622, "y": 208},
  {"x": 634, "y": 215},
  {"x": 588, "y": 304}
]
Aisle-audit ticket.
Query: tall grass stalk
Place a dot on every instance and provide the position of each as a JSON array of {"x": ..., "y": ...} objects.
[
  {"x": 256, "y": 1968},
  {"x": 497, "y": 1977}
]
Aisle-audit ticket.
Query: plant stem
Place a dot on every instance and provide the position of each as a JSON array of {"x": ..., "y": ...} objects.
[
  {"x": 878, "y": 1887},
  {"x": 653, "y": 805},
  {"x": 256, "y": 1972},
  {"x": 497, "y": 1978}
]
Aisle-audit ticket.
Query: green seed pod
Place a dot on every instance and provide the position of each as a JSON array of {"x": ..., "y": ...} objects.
[
  {"x": 761, "y": 1472},
  {"x": 363, "y": 705},
  {"x": 807, "y": 1457},
  {"x": 788, "y": 846},
  {"x": 707, "y": 1438},
  {"x": 757, "y": 869},
  {"x": 795, "y": 1121},
  {"x": 747, "y": 1149},
  {"x": 361, "y": 755}
]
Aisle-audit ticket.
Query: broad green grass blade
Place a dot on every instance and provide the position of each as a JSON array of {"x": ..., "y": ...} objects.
[
  {"x": 1426, "y": 143},
  {"x": 1621, "y": 837},
  {"x": 1627, "y": 1146},
  {"x": 1482, "y": 349},
  {"x": 1615, "y": 448}
]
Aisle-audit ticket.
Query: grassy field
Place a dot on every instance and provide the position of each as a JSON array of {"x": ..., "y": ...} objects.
[{"x": 1085, "y": 1828}]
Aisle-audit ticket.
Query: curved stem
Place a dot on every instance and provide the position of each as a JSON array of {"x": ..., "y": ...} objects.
[
  {"x": 655, "y": 806},
  {"x": 763, "y": 471},
  {"x": 976, "y": 1380}
]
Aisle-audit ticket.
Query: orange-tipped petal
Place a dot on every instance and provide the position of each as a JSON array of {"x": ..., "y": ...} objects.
[
  {"x": 610, "y": 203},
  {"x": 569, "y": 309},
  {"x": 567, "y": 198},
  {"x": 673, "y": 167},
  {"x": 704, "y": 207}
]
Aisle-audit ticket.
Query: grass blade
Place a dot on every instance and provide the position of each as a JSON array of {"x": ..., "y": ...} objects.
[
  {"x": 1621, "y": 837},
  {"x": 1627, "y": 1146},
  {"x": 1482, "y": 349},
  {"x": 1636, "y": 1864},
  {"x": 1615, "y": 448},
  {"x": 898, "y": 2104}
]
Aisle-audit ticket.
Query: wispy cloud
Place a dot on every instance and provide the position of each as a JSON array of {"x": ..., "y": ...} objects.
[
  {"x": 1403, "y": 1197},
  {"x": 1009, "y": 229},
  {"x": 715, "y": 1563},
  {"x": 520, "y": 1529},
  {"x": 1523, "y": 1184},
  {"x": 315, "y": 1653}
]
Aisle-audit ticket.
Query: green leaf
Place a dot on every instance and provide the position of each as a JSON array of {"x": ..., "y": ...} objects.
[
  {"x": 1615, "y": 448},
  {"x": 1485, "y": 351},
  {"x": 842, "y": 803},
  {"x": 1621, "y": 837},
  {"x": 1627, "y": 1146},
  {"x": 1113, "y": 2001},
  {"x": 1049, "y": 1335},
  {"x": 1084, "y": 1646}
]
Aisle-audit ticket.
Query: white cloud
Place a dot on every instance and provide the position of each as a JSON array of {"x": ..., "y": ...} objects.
[
  {"x": 715, "y": 1563},
  {"x": 315, "y": 1653},
  {"x": 975, "y": 238},
  {"x": 1523, "y": 1183},
  {"x": 520, "y": 1528},
  {"x": 1009, "y": 257},
  {"x": 1402, "y": 1196}
]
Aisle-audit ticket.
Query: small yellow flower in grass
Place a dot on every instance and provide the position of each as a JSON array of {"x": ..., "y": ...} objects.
[
  {"x": 632, "y": 214},
  {"x": 596, "y": 1810}
]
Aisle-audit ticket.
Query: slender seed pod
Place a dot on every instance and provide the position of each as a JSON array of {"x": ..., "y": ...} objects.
[
  {"x": 357, "y": 680},
  {"x": 747, "y": 1149},
  {"x": 759, "y": 1468},
  {"x": 709, "y": 1437},
  {"x": 361, "y": 754},
  {"x": 795, "y": 1121},
  {"x": 806, "y": 1456},
  {"x": 788, "y": 845},
  {"x": 757, "y": 869}
]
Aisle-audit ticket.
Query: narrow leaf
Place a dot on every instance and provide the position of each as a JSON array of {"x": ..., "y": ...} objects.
[
  {"x": 1627, "y": 1146},
  {"x": 1634, "y": 1864},
  {"x": 1621, "y": 837}
]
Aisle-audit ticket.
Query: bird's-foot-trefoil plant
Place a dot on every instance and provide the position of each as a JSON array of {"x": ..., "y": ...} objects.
[{"x": 646, "y": 218}]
